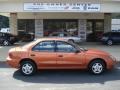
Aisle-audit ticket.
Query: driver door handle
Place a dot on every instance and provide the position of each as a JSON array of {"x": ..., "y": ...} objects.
[
  {"x": 60, "y": 55},
  {"x": 32, "y": 55}
]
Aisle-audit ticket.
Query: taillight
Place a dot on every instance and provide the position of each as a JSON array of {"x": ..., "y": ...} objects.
[
  {"x": 11, "y": 38},
  {"x": 10, "y": 55}
]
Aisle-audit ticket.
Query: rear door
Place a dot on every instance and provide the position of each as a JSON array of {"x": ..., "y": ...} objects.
[
  {"x": 44, "y": 54},
  {"x": 2, "y": 37},
  {"x": 116, "y": 37},
  {"x": 119, "y": 36}
]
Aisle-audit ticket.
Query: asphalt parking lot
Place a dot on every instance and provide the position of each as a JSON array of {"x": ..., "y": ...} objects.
[{"x": 11, "y": 79}]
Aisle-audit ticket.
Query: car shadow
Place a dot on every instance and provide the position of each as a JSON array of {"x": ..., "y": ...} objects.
[
  {"x": 3, "y": 64},
  {"x": 68, "y": 77}
]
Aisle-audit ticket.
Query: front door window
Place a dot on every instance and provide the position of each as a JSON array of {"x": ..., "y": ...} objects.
[{"x": 65, "y": 47}]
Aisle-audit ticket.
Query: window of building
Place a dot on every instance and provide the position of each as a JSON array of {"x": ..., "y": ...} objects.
[
  {"x": 95, "y": 29},
  {"x": 26, "y": 25},
  {"x": 59, "y": 25}
]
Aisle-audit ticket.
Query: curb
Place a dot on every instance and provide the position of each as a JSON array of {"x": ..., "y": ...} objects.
[{"x": 3, "y": 61}]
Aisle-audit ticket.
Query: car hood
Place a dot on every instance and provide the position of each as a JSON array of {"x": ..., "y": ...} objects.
[
  {"x": 95, "y": 51},
  {"x": 64, "y": 37}
]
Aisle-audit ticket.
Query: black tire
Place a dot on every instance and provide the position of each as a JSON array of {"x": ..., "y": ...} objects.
[
  {"x": 12, "y": 43},
  {"x": 97, "y": 70},
  {"x": 109, "y": 42},
  {"x": 71, "y": 41},
  {"x": 6, "y": 43},
  {"x": 31, "y": 65}
]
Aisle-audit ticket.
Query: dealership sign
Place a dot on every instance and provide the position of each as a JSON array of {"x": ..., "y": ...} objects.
[{"x": 63, "y": 7}]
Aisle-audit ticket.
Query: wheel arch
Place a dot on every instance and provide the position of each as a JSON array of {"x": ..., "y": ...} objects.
[
  {"x": 70, "y": 39},
  {"x": 28, "y": 59},
  {"x": 100, "y": 59}
]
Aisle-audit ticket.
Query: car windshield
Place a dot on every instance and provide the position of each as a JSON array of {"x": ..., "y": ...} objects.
[
  {"x": 106, "y": 34},
  {"x": 28, "y": 44},
  {"x": 80, "y": 48}
]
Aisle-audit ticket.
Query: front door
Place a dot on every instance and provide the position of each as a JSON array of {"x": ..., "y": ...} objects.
[
  {"x": 67, "y": 57},
  {"x": 44, "y": 54},
  {"x": 116, "y": 37}
]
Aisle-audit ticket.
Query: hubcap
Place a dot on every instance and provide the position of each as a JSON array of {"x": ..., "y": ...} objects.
[
  {"x": 71, "y": 41},
  {"x": 27, "y": 68},
  {"x": 97, "y": 68},
  {"x": 109, "y": 42},
  {"x": 5, "y": 43}
]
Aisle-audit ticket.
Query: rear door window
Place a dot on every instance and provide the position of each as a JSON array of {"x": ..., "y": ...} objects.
[
  {"x": 55, "y": 34},
  {"x": 115, "y": 34},
  {"x": 45, "y": 46},
  {"x": 106, "y": 34}
]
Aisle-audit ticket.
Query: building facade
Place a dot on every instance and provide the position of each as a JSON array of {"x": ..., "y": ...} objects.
[{"x": 43, "y": 17}]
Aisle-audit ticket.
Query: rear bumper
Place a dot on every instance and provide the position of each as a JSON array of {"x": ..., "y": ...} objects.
[
  {"x": 12, "y": 63},
  {"x": 103, "y": 41},
  {"x": 14, "y": 40}
]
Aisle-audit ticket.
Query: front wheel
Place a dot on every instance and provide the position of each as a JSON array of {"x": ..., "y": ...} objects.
[
  {"x": 109, "y": 42},
  {"x": 28, "y": 68},
  {"x": 97, "y": 67},
  {"x": 71, "y": 41}
]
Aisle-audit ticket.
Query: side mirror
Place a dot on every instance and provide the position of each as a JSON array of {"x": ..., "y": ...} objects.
[{"x": 77, "y": 51}]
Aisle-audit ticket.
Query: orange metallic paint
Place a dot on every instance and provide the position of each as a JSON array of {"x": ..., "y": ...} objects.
[{"x": 57, "y": 60}]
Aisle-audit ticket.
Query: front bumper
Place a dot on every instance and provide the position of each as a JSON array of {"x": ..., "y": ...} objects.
[
  {"x": 103, "y": 40},
  {"x": 14, "y": 40},
  {"x": 112, "y": 64}
]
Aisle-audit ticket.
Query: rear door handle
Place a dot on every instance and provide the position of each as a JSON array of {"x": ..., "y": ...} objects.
[
  {"x": 60, "y": 55},
  {"x": 32, "y": 55}
]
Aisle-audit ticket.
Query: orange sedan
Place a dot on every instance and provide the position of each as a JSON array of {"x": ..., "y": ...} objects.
[{"x": 55, "y": 53}]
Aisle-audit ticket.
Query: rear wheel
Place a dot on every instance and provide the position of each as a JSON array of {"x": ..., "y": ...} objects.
[
  {"x": 28, "y": 68},
  {"x": 6, "y": 43},
  {"x": 97, "y": 67}
]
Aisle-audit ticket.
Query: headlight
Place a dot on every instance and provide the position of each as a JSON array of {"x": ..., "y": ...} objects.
[
  {"x": 112, "y": 57},
  {"x": 105, "y": 38}
]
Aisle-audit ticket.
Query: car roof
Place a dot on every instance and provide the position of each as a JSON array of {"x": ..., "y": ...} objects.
[
  {"x": 5, "y": 33},
  {"x": 59, "y": 33},
  {"x": 109, "y": 33},
  {"x": 39, "y": 40},
  {"x": 50, "y": 38},
  {"x": 112, "y": 32}
]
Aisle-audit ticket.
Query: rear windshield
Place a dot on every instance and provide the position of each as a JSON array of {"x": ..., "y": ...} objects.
[{"x": 106, "y": 34}]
